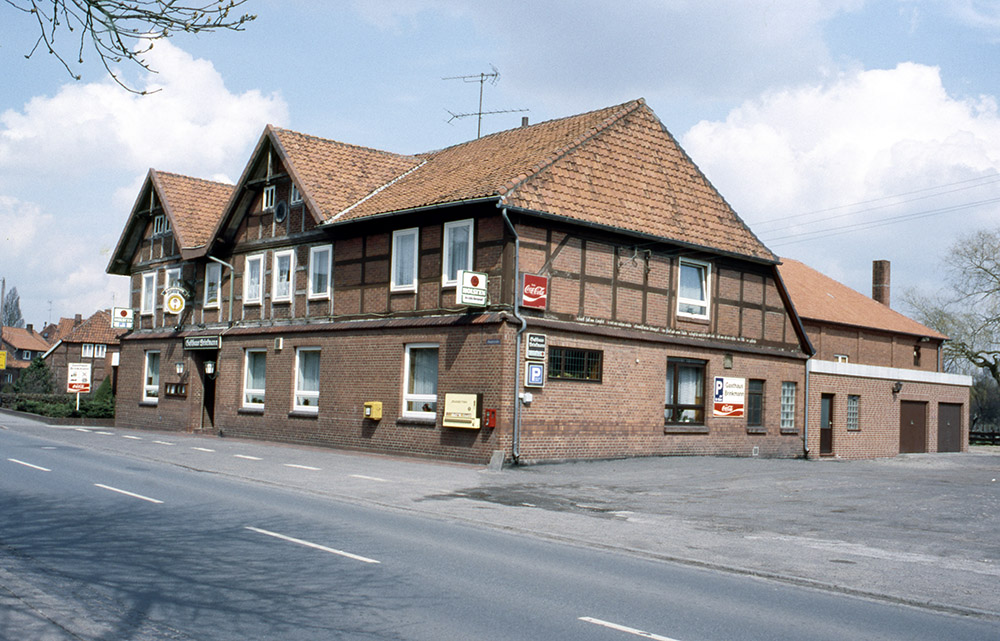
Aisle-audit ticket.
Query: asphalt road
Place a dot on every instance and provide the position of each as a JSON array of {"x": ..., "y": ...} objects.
[{"x": 102, "y": 539}]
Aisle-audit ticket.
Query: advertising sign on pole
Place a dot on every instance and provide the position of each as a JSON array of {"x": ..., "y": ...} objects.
[
  {"x": 78, "y": 378},
  {"x": 729, "y": 399}
]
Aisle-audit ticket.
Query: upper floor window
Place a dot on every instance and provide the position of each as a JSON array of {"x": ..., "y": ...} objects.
[
  {"x": 100, "y": 351},
  {"x": 295, "y": 196},
  {"x": 87, "y": 350},
  {"x": 841, "y": 358},
  {"x": 282, "y": 271},
  {"x": 693, "y": 288},
  {"x": 172, "y": 278},
  {"x": 404, "y": 260},
  {"x": 213, "y": 282},
  {"x": 161, "y": 224},
  {"x": 457, "y": 252},
  {"x": 148, "y": 293},
  {"x": 253, "y": 280},
  {"x": 267, "y": 200},
  {"x": 26, "y": 354},
  {"x": 319, "y": 271}
]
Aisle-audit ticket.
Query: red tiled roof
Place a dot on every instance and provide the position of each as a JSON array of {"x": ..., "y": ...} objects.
[
  {"x": 819, "y": 298},
  {"x": 96, "y": 329},
  {"x": 21, "y": 338},
  {"x": 193, "y": 205}
]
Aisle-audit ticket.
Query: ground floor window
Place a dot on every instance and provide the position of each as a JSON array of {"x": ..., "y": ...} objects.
[
  {"x": 151, "y": 377},
  {"x": 253, "y": 378},
  {"x": 307, "y": 379},
  {"x": 420, "y": 381},
  {"x": 853, "y": 412},
  {"x": 755, "y": 403},
  {"x": 685, "y": 399},
  {"x": 575, "y": 364},
  {"x": 789, "y": 389}
]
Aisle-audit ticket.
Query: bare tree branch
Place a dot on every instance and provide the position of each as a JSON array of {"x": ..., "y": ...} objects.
[{"x": 121, "y": 30}]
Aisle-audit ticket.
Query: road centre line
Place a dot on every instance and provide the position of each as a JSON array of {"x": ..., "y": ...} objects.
[
  {"x": 134, "y": 438},
  {"x": 82, "y": 429},
  {"x": 202, "y": 449},
  {"x": 302, "y": 467},
  {"x": 369, "y": 478},
  {"x": 315, "y": 546},
  {"x": 162, "y": 443},
  {"x": 34, "y": 467},
  {"x": 103, "y": 433},
  {"x": 623, "y": 628},
  {"x": 248, "y": 457},
  {"x": 127, "y": 493}
]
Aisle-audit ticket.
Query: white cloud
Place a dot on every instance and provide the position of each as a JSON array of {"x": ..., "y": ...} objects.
[
  {"x": 857, "y": 140},
  {"x": 71, "y": 165}
]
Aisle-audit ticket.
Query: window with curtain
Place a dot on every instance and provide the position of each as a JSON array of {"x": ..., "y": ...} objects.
[
  {"x": 457, "y": 252},
  {"x": 254, "y": 378},
  {"x": 253, "y": 280},
  {"x": 319, "y": 271},
  {"x": 421, "y": 378},
  {"x": 151, "y": 377},
  {"x": 404, "y": 260},
  {"x": 685, "y": 398},
  {"x": 146, "y": 300},
  {"x": 213, "y": 280},
  {"x": 284, "y": 267},
  {"x": 307, "y": 379},
  {"x": 693, "y": 288}
]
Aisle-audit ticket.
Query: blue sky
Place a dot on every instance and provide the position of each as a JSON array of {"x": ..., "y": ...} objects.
[{"x": 842, "y": 131}]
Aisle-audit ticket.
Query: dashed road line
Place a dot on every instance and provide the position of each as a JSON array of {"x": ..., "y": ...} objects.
[
  {"x": 127, "y": 493},
  {"x": 625, "y": 628},
  {"x": 162, "y": 443},
  {"x": 82, "y": 429},
  {"x": 103, "y": 433},
  {"x": 202, "y": 449},
  {"x": 134, "y": 438},
  {"x": 302, "y": 467},
  {"x": 369, "y": 478},
  {"x": 315, "y": 546},
  {"x": 248, "y": 457},
  {"x": 34, "y": 467}
]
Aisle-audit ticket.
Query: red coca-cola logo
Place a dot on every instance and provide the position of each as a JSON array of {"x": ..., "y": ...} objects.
[{"x": 535, "y": 292}]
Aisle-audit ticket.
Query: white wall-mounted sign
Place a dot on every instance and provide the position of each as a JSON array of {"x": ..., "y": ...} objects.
[
  {"x": 729, "y": 398},
  {"x": 174, "y": 300},
  {"x": 535, "y": 349},
  {"x": 121, "y": 317},
  {"x": 78, "y": 378},
  {"x": 534, "y": 374},
  {"x": 471, "y": 288}
]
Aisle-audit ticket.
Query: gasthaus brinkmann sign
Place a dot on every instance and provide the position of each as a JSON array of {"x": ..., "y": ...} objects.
[{"x": 729, "y": 399}]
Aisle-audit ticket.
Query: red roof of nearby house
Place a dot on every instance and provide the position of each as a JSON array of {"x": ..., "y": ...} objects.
[
  {"x": 819, "y": 298},
  {"x": 20, "y": 338},
  {"x": 96, "y": 329}
]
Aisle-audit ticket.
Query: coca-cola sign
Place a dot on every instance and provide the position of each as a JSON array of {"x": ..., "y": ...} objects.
[{"x": 535, "y": 293}]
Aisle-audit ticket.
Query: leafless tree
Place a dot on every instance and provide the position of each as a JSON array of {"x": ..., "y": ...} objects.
[{"x": 121, "y": 30}]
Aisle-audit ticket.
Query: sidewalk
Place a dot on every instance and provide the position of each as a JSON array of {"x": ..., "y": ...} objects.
[{"x": 916, "y": 529}]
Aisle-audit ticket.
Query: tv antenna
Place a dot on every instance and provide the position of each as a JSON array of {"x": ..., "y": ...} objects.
[{"x": 481, "y": 78}]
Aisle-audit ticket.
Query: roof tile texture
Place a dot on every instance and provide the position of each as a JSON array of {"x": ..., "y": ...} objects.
[
  {"x": 820, "y": 298},
  {"x": 194, "y": 205},
  {"x": 21, "y": 338},
  {"x": 96, "y": 329}
]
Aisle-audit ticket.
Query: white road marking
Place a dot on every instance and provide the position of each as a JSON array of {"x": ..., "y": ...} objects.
[
  {"x": 302, "y": 467},
  {"x": 369, "y": 478},
  {"x": 134, "y": 438},
  {"x": 127, "y": 493},
  {"x": 623, "y": 628},
  {"x": 103, "y": 433},
  {"x": 163, "y": 443},
  {"x": 316, "y": 546},
  {"x": 247, "y": 457},
  {"x": 82, "y": 429},
  {"x": 34, "y": 467},
  {"x": 202, "y": 449}
]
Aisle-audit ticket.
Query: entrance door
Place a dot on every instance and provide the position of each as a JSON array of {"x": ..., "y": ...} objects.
[
  {"x": 826, "y": 424},
  {"x": 912, "y": 427},
  {"x": 949, "y": 427}
]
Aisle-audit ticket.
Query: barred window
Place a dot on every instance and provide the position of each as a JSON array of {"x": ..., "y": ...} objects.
[
  {"x": 853, "y": 412},
  {"x": 567, "y": 363},
  {"x": 755, "y": 403}
]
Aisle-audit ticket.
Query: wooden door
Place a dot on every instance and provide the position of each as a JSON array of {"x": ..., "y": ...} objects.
[
  {"x": 826, "y": 425},
  {"x": 912, "y": 427},
  {"x": 949, "y": 427}
]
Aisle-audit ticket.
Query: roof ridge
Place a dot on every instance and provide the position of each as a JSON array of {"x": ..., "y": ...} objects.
[
  {"x": 620, "y": 112},
  {"x": 377, "y": 190},
  {"x": 341, "y": 143},
  {"x": 187, "y": 177}
]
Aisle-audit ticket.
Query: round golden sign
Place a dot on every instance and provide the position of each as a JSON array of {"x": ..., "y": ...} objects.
[{"x": 174, "y": 302}]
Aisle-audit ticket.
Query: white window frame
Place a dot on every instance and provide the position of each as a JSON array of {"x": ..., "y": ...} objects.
[
  {"x": 87, "y": 350},
  {"x": 409, "y": 397},
  {"x": 100, "y": 350},
  {"x": 294, "y": 195},
  {"x": 26, "y": 355},
  {"x": 151, "y": 393},
  {"x": 213, "y": 274},
  {"x": 414, "y": 261},
  {"x": 706, "y": 284},
  {"x": 267, "y": 198},
  {"x": 147, "y": 299},
  {"x": 313, "y": 264},
  {"x": 841, "y": 358},
  {"x": 789, "y": 394},
  {"x": 253, "y": 393},
  {"x": 301, "y": 396},
  {"x": 161, "y": 224},
  {"x": 259, "y": 299},
  {"x": 276, "y": 282},
  {"x": 171, "y": 278},
  {"x": 470, "y": 225}
]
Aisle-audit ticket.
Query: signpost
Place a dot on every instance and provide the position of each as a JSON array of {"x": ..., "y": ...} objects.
[{"x": 78, "y": 380}]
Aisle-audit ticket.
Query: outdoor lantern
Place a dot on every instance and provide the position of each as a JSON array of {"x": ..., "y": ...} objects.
[
  {"x": 180, "y": 367},
  {"x": 210, "y": 368},
  {"x": 897, "y": 387}
]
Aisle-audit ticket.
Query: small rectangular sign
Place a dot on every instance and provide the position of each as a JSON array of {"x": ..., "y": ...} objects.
[
  {"x": 202, "y": 342},
  {"x": 3, "y": 359},
  {"x": 535, "y": 292},
  {"x": 121, "y": 317},
  {"x": 534, "y": 374},
  {"x": 472, "y": 288},
  {"x": 461, "y": 410},
  {"x": 729, "y": 399},
  {"x": 78, "y": 378},
  {"x": 535, "y": 350}
]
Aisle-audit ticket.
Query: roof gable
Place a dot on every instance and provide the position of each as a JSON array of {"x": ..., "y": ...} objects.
[
  {"x": 21, "y": 338},
  {"x": 819, "y": 298},
  {"x": 96, "y": 329}
]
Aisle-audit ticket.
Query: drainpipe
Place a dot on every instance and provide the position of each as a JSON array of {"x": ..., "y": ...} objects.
[
  {"x": 805, "y": 414},
  {"x": 232, "y": 276},
  {"x": 516, "y": 440}
]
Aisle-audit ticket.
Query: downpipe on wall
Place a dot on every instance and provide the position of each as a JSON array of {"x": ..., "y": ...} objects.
[{"x": 516, "y": 436}]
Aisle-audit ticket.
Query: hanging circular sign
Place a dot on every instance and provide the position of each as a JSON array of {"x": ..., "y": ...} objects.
[{"x": 173, "y": 301}]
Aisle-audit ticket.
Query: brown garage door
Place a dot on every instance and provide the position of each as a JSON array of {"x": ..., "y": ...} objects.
[
  {"x": 949, "y": 427},
  {"x": 912, "y": 427}
]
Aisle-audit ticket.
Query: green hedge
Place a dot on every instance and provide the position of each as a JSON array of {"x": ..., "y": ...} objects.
[{"x": 100, "y": 404}]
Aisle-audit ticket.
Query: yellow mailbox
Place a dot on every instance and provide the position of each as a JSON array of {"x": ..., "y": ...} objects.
[{"x": 373, "y": 410}]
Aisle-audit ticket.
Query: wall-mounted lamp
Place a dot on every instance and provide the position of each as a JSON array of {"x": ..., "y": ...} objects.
[
  {"x": 179, "y": 366},
  {"x": 897, "y": 387},
  {"x": 210, "y": 368}
]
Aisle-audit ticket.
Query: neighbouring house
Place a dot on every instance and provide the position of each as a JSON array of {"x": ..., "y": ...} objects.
[
  {"x": 22, "y": 345},
  {"x": 54, "y": 332},
  {"x": 570, "y": 289},
  {"x": 92, "y": 342},
  {"x": 875, "y": 383}
]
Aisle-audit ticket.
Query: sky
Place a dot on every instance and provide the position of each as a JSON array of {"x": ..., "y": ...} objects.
[{"x": 841, "y": 131}]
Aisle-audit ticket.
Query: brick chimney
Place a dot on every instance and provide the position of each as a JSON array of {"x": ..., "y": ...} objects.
[
  {"x": 77, "y": 320},
  {"x": 30, "y": 327},
  {"x": 880, "y": 281}
]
